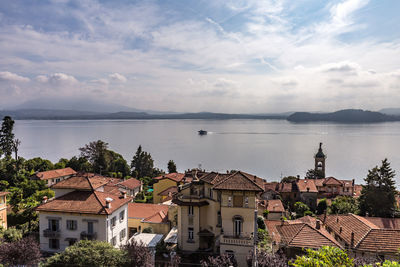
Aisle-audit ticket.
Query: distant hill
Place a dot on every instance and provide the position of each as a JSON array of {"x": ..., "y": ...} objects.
[
  {"x": 344, "y": 116},
  {"x": 390, "y": 111},
  {"x": 53, "y": 114}
]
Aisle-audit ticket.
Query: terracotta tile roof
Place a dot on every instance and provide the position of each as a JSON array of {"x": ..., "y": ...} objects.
[
  {"x": 272, "y": 231},
  {"x": 275, "y": 205},
  {"x": 271, "y": 186},
  {"x": 385, "y": 223},
  {"x": 303, "y": 233},
  {"x": 55, "y": 173},
  {"x": 240, "y": 181},
  {"x": 131, "y": 183},
  {"x": 177, "y": 177},
  {"x": 346, "y": 224},
  {"x": 307, "y": 185},
  {"x": 83, "y": 182},
  {"x": 156, "y": 213},
  {"x": 332, "y": 181},
  {"x": 111, "y": 189},
  {"x": 214, "y": 177},
  {"x": 170, "y": 190},
  {"x": 381, "y": 240},
  {"x": 89, "y": 202},
  {"x": 319, "y": 182}
]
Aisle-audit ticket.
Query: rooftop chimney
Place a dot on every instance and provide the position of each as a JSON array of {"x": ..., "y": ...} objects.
[
  {"x": 108, "y": 202},
  {"x": 44, "y": 199},
  {"x": 255, "y": 178},
  {"x": 318, "y": 225}
]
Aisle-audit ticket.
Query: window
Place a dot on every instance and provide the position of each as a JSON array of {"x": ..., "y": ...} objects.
[
  {"x": 121, "y": 216},
  {"x": 246, "y": 202},
  {"x": 90, "y": 227},
  {"x": 113, "y": 241},
  {"x": 238, "y": 201},
  {"x": 113, "y": 221},
  {"x": 219, "y": 223},
  {"x": 122, "y": 234},
  {"x": 57, "y": 180},
  {"x": 191, "y": 210},
  {"x": 54, "y": 243},
  {"x": 238, "y": 227},
  {"x": 211, "y": 193},
  {"x": 191, "y": 237},
  {"x": 72, "y": 225},
  {"x": 229, "y": 201},
  {"x": 54, "y": 225}
]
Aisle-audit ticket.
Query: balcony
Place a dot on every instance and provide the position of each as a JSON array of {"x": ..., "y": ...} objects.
[
  {"x": 88, "y": 236},
  {"x": 190, "y": 200},
  {"x": 51, "y": 234},
  {"x": 240, "y": 241}
]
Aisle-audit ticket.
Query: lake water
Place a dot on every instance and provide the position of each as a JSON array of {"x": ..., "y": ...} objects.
[{"x": 267, "y": 148}]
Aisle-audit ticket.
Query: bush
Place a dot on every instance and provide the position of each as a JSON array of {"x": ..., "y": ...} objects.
[
  {"x": 260, "y": 223},
  {"x": 265, "y": 214}
]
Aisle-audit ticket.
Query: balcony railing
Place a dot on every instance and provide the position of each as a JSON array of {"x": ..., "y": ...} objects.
[
  {"x": 241, "y": 240},
  {"x": 51, "y": 234},
  {"x": 88, "y": 236}
]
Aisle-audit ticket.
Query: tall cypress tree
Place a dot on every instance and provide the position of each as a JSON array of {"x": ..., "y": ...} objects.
[
  {"x": 378, "y": 195},
  {"x": 7, "y": 136}
]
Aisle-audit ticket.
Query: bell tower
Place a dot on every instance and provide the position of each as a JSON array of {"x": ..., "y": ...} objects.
[{"x": 320, "y": 160}]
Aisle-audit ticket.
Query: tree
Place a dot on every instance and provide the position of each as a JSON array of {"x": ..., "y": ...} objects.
[
  {"x": 11, "y": 234},
  {"x": 260, "y": 222},
  {"x": 171, "y": 166},
  {"x": 79, "y": 164},
  {"x": 138, "y": 254},
  {"x": 378, "y": 195},
  {"x": 344, "y": 205},
  {"x": 38, "y": 165},
  {"x": 288, "y": 179},
  {"x": 95, "y": 152},
  {"x": 7, "y": 136},
  {"x": 300, "y": 208},
  {"x": 267, "y": 259},
  {"x": 322, "y": 206},
  {"x": 223, "y": 260},
  {"x": 142, "y": 164},
  {"x": 314, "y": 174},
  {"x": 89, "y": 253},
  {"x": 325, "y": 256},
  {"x": 25, "y": 251}
]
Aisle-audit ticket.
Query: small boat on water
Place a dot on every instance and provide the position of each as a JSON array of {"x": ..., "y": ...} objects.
[{"x": 202, "y": 132}]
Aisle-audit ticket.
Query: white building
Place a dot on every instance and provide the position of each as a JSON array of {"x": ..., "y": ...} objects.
[
  {"x": 54, "y": 176},
  {"x": 83, "y": 213}
]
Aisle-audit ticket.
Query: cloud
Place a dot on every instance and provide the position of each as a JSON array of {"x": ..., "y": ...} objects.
[
  {"x": 12, "y": 77},
  {"x": 57, "y": 79},
  {"x": 116, "y": 77}
]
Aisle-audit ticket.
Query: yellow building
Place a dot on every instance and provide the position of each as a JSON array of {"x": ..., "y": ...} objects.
[
  {"x": 144, "y": 215},
  {"x": 3, "y": 209},
  {"x": 216, "y": 214},
  {"x": 165, "y": 185}
]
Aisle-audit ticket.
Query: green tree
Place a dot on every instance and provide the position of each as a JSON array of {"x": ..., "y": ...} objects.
[
  {"x": 322, "y": 206},
  {"x": 89, "y": 253},
  {"x": 378, "y": 195},
  {"x": 314, "y": 174},
  {"x": 171, "y": 166},
  {"x": 325, "y": 256},
  {"x": 288, "y": 179},
  {"x": 61, "y": 164},
  {"x": 142, "y": 164},
  {"x": 260, "y": 222},
  {"x": 79, "y": 164},
  {"x": 7, "y": 136},
  {"x": 344, "y": 205},
  {"x": 300, "y": 208},
  {"x": 96, "y": 152},
  {"x": 11, "y": 234},
  {"x": 38, "y": 165}
]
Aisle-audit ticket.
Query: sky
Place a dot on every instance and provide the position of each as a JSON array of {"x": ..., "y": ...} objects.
[{"x": 249, "y": 56}]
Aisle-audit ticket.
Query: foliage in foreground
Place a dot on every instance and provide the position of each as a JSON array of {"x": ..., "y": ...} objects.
[
  {"x": 223, "y": 260},
  {"x": 25, "y": 251},
  {"x": 267, "y": 259},
  {"x": 325, "y": 256}
]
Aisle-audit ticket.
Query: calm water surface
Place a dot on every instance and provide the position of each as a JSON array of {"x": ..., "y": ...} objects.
[{"x": 267, "y": 148}]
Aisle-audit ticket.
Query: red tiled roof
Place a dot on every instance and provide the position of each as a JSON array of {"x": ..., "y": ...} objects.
[
  {"x": 272, "y": 231},
  {"x": 385, "y": 223},
  {"x": 168, "y": 191},
  {"x": 332, "y": 181},
  {"x": 177, "y": 177},
  {"x": 55, "y": 173},
  {"x": 131, "y": 183},
  {"x": 271, "y": 186},
  {"x": 240, "y": 181},
  {"x": 112, "y": 189},
  {"x": 84, "y": 182},
  {"x": 319, "y": 182},
  {"x": 286, "y": 188},
  {"x": 307, "y": 185},
  {"x": 89, "y": 202},
  {"x": 156, "y": 213},
  {"x": 275, "y": 205},
  {"x": 381, "y": 240},
  {"x": 303, "y": 233},
  {"x": 214, "y": 177}
]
